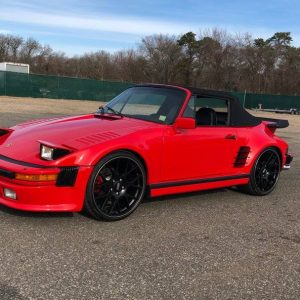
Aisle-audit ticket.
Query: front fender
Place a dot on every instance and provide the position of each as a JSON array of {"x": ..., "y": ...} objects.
[{"x": 148, "y": 146}]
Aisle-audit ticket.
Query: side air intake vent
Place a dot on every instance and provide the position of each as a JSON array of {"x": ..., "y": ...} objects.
[
  {"x": 67, "y": 176},
  {"x": 242, "y": 156}
]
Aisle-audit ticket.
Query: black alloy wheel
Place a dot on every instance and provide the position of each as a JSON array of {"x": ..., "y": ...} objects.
[
  {"x": 264, "y": 174},
  {"x": 116, "y": 187}
]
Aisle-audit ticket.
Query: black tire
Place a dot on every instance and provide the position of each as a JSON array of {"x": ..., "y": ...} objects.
[
  {"x": 264, "y": 174},
  {"x": 116, "y": 187}
]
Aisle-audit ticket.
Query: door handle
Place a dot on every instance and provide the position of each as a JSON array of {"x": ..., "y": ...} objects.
[{"x": 230, "y": 137}]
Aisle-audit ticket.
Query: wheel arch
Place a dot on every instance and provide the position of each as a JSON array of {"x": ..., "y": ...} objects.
[
  {"x": 138, "y": 156},
  {"x": 272, "y": 146},
  {"x": 278, "y": 150},
  {"x": 133, "y": 152}
]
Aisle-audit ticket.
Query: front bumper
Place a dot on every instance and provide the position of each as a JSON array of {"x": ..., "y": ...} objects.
[
  {"x": 288, "y": 161},
  {"x": 43, "y": 196}
]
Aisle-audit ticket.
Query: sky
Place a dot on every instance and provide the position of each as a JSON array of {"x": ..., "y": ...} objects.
[{"x": 77, "y": 27}]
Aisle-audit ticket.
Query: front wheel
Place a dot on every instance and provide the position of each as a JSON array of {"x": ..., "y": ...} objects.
[
  {"x": 264, "y": 174},
  {"x": 116, "y": 187}
]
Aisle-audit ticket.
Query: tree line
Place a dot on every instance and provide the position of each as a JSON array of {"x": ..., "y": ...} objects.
[{"x": 213, "y": 59}]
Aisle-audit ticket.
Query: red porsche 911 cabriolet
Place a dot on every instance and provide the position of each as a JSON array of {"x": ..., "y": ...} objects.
[{"x": 151, "y": 139}]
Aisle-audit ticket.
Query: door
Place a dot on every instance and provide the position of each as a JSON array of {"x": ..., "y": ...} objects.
[{"x": 207, "y": 151}]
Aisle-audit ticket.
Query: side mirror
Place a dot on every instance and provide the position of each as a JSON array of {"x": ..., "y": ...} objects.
[{"x": 185, "y": 123}]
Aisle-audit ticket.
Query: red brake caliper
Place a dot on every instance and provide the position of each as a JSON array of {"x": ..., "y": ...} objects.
[{"x": 98, "y": 182}]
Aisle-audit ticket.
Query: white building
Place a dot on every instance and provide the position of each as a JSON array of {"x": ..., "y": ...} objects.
[{"x": 14, "y": 67}]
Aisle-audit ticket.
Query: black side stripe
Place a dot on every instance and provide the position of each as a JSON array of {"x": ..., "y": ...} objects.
[
  {"x": 7, "y": 174},
  {"x": 196, "y": 181},
  {"x": 23, "y": 163}
]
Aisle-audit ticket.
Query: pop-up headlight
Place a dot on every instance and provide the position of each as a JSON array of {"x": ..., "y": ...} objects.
[
  {"x": 50, "y": 153},
  {"x": 47, "y": 152}
]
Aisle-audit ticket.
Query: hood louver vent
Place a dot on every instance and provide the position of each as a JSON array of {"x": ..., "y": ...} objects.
[{"x": 97, "y": 138}]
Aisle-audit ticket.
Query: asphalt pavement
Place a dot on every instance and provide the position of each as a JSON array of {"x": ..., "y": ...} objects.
[{"x": 218, "y": 244}]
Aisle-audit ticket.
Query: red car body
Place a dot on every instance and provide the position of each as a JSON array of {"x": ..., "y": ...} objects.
[{"x": 178, "y": 158}]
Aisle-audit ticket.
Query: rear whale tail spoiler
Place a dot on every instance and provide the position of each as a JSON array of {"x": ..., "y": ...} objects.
[{"x": 275, "y": 123}]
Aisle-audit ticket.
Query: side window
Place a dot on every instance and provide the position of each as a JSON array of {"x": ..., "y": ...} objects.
[
  {"x": 190, "y": 109},
  {"x": 208, "y": 111}
]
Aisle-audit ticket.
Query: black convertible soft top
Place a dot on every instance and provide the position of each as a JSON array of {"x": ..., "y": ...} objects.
[{"x": 238, "y": 116}]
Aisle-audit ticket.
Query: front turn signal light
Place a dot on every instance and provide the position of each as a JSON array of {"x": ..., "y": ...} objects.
[{"x": 36, "y": 178}]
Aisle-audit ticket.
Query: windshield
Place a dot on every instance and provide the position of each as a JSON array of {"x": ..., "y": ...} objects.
[{"x": 155, "y": 104}]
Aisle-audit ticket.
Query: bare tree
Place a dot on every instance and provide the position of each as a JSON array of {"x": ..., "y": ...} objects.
[
  {"x": 211, "y": 59},
  {"x": 161, "y": 53}
]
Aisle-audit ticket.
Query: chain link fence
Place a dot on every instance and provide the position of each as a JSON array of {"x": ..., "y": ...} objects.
[
  {"x": 58, "y": 87},
  {"x": 267, "y": 101},
  {"x": 61, "y": 87}
]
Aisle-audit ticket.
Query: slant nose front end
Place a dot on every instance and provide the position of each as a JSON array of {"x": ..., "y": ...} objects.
[{"x": 34, "y": 187}]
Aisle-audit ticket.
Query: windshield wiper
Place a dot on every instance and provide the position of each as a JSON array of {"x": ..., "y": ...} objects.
[
  {"x": 102, "y": 111},
  {"x": 114, "y": 111}
]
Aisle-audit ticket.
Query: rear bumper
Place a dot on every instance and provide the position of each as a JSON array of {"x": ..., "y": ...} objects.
[
  {"x": 42, "y": 196},
  {"x": 288, "y": 161}
]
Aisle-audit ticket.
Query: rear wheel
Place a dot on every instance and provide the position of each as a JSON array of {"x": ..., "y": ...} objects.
[
  {"x": 264, "y": 174},
  {"x": 116, "y": 187}
]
